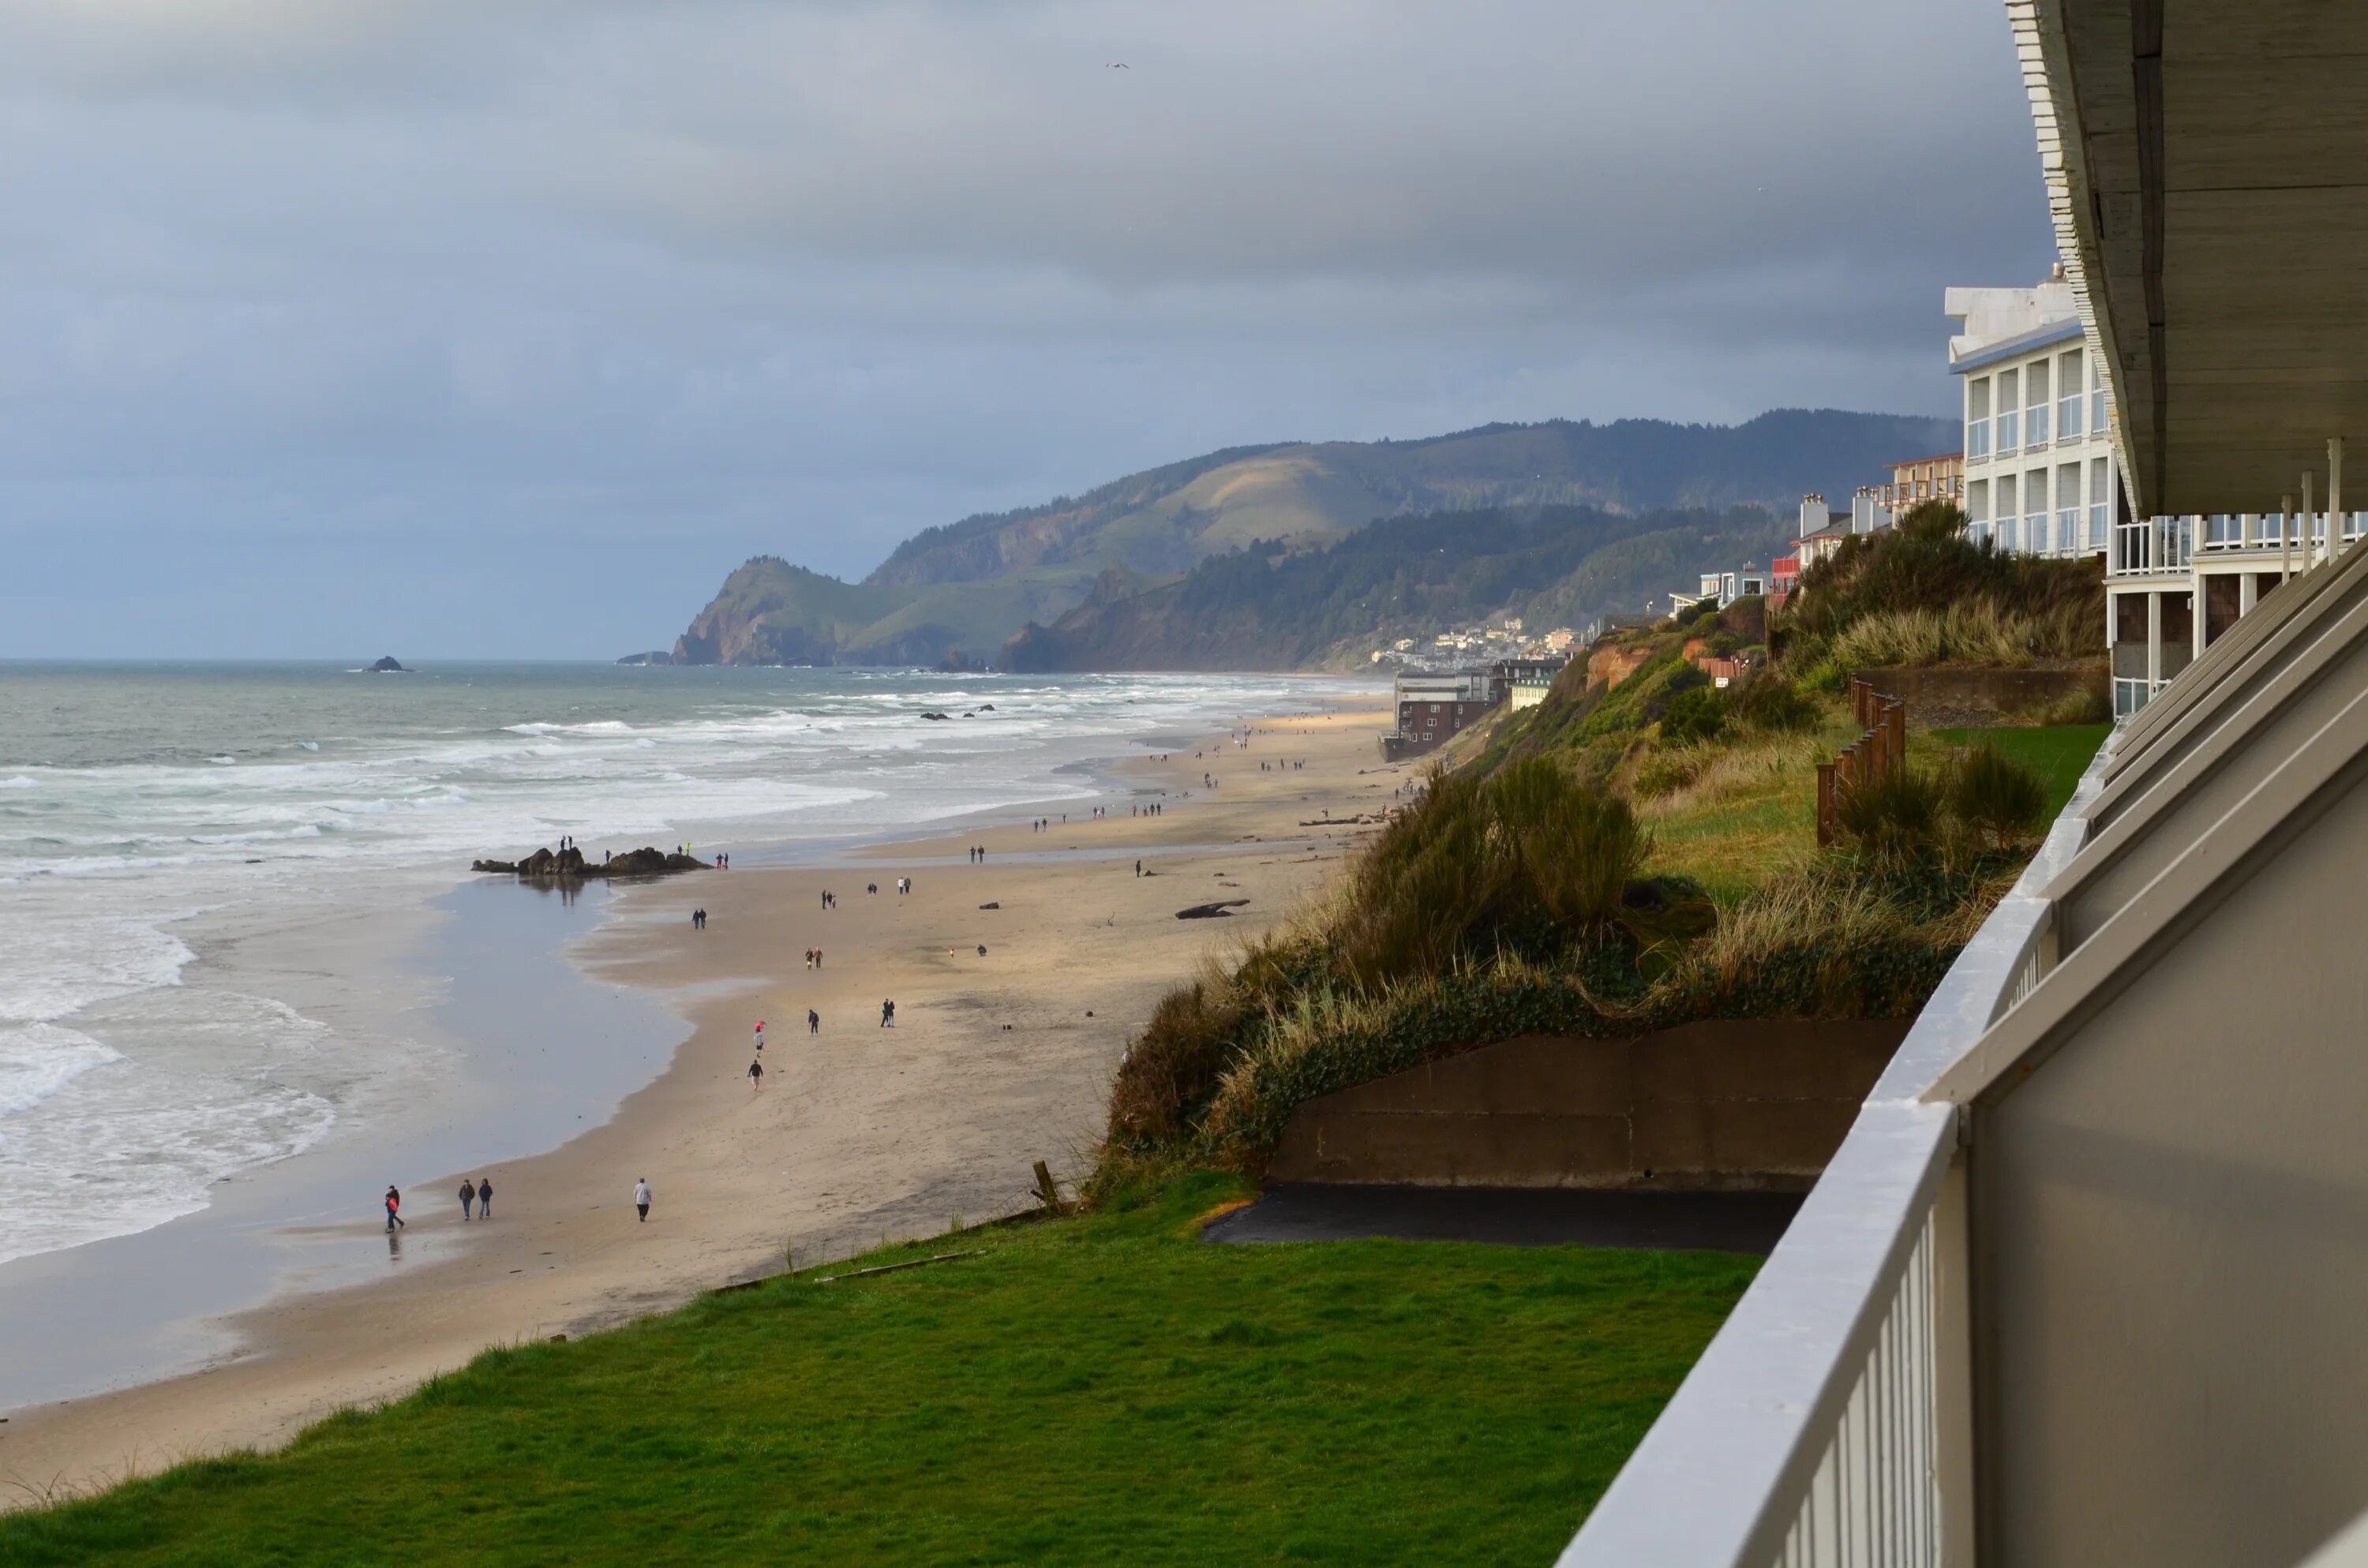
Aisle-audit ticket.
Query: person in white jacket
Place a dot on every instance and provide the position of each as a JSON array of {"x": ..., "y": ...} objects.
[{"x": 642, "y": 1196}]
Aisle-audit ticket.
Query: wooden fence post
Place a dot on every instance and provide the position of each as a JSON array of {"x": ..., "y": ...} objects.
[{"x": 1825, "y": 822}]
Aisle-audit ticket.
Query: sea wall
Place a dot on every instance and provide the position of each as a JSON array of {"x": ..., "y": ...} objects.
[{"x": 1721, "y": 1104}]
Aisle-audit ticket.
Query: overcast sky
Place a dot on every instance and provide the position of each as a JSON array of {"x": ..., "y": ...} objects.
[{"x": 335, "y": 328}]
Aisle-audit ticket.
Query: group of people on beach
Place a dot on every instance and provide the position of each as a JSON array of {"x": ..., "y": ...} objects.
[
  {"x": 479, "y": 1192},
  {"x": 699, "y": 919},
  {"x": 978, "y": 854},
  {"x": 814, "y": 958}
]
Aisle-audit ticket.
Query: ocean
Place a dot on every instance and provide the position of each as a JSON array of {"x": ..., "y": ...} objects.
[{"x": 152, "y": 817}]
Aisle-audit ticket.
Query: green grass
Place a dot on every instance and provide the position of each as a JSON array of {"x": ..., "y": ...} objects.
[
  {"x": 1087, "y": 1391},
  {"x": 1737, "y": 842},
  {"x": 2059, "y": 754}
]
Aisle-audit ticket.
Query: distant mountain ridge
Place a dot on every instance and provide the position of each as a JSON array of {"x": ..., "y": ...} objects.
[{"x": 966, "y": 587}]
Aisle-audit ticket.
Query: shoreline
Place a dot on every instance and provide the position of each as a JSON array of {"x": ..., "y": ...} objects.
[{"x": 869, "y": 1133}]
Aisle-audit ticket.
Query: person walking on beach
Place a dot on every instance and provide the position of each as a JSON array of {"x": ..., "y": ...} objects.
[
  {"x": 641, "y": 1195},
  {"x": 484, "y": 1198},
  {"x": 1138, "y": 868},
  {"x": 756, "y": 1076},
  {"x": 393, "y": 1207},
  {"x": 468, "y": 1195},
  {"x": 887, "y": 1015},
  {"x": 761, "y": 1035},
  {"x": 813, "y": 1021}
]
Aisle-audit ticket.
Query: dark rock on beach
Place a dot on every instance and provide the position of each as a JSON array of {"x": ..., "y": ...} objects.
[{"x": 569, "y": 865}]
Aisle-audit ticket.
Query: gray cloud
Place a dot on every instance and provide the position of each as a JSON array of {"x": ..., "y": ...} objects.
[{"x": 445, "y": 295}]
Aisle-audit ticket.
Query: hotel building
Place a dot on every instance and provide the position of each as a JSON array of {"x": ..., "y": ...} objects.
[{"x": 2042, "y": 476}]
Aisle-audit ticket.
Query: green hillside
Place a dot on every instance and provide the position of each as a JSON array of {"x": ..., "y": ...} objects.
[{"x": 968, "y": 587}]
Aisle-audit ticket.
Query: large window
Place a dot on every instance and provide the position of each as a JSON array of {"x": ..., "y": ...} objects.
[
  {"x": 2068, "y": 508},
  {"x": 2070, "y": 384},
  {"x": 2100, "y": 499},
  {"x": 2008, "y": 530},
  {"x": 2034, "y": 505},
  {"x": 2034, "y": 417},
  {"x": 2008, "y": 403},
  {"x": 1977, "y": 417},
  {"x": 2097, "y": 396},
  {"x": 1977, "y": 509}
]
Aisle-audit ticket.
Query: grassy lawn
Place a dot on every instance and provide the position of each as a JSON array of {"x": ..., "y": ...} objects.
[
  {"x": 1085, "y": 1390},
  {"x": 1734, "y": 844},
  {"x": 2057, "y": 753}
]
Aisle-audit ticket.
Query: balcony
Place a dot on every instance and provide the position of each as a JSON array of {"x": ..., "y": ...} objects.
[
  {"x": 2081, "y": 1285},
  {"x": 2152, "y": 547}
]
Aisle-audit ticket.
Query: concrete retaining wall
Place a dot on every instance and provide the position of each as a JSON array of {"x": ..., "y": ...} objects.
[{"x": 1742, "y": 1104}]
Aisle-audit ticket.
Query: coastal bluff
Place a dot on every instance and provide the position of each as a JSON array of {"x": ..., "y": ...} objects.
[{"x": 569, "y": 865}]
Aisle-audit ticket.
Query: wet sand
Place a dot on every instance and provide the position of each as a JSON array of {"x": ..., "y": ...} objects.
[{"x": 860, "y": 1132}]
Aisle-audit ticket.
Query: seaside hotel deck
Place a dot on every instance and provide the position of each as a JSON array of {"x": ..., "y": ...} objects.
[{"x": 2085, "y": 1284}]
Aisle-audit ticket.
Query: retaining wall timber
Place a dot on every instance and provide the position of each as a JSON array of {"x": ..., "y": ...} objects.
[{"x": 1745, "y": 1104}]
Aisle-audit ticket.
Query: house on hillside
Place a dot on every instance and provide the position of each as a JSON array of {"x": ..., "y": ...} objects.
[{"x": 1919, "y": 480}]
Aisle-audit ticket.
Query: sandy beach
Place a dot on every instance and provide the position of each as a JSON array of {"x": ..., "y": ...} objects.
[{"x": 996, "y": 1058}]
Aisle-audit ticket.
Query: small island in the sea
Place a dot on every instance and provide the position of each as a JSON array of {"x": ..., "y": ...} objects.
[{"x": 388, "y": 667}]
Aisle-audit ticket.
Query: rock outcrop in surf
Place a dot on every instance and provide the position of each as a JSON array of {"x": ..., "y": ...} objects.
[{"x": 569, "y": 865}]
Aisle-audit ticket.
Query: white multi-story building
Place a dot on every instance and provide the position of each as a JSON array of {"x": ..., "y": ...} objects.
[{"x": 2042, "y": 476}]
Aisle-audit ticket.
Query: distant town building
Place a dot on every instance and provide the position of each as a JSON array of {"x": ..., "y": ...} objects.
[{"x": 1434, "y": 708}]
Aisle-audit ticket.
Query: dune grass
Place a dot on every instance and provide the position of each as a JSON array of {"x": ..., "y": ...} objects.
[{"x": 1092, "y": 1389}]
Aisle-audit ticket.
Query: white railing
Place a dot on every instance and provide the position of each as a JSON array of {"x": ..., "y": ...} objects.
[
  {"x": 2150, "y": 545},
  {"x": 1829, "y": 1422}
]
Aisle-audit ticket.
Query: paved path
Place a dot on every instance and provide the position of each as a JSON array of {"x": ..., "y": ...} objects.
[{"x": 1715, "y": 1222}]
